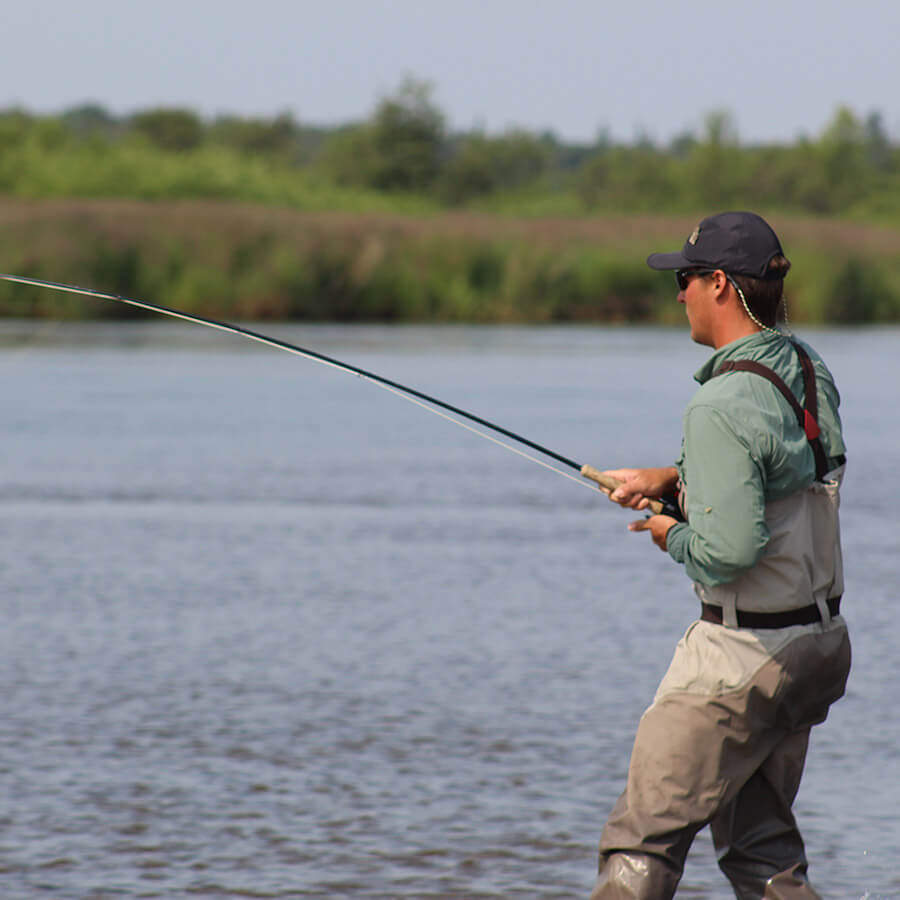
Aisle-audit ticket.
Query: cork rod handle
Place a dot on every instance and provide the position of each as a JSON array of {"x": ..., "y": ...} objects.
[{"x": 609, "y": 484}]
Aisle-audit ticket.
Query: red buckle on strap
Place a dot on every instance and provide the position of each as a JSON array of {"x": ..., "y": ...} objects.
[{"x": 810, "y": 426}]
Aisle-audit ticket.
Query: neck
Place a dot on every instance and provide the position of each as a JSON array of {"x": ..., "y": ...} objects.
[
  {"x": 729, "y": 331},
  {"x": 736, "y": 320}
]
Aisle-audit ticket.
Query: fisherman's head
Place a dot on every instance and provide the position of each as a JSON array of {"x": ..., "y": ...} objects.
[{"x": 741, "y": 247}]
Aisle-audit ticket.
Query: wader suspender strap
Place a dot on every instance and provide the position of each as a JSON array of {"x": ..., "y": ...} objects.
[{"x": 806, "y": 414}]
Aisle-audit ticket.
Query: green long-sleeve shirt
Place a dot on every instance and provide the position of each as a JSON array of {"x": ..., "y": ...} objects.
[{"x": 742, "y": 447}]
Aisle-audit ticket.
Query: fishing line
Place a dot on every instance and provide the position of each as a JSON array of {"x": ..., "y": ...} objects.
[
  {"x": 407, "y": 393},
  {"x": 489, "y": 437}
]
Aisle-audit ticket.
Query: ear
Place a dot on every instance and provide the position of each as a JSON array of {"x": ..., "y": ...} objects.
[{"x": 721, "y": 284}]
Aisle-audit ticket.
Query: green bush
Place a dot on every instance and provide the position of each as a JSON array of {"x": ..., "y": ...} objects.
[{"x": 861, "y": 292}]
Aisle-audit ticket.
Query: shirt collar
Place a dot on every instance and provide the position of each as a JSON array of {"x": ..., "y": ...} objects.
[{"x": 742, "y": 348}]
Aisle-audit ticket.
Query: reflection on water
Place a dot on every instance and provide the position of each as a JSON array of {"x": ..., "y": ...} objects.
[{"x": 271, "y": 632}]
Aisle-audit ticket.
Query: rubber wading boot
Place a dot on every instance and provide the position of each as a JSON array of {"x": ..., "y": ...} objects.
[{"x": 635, "y": 876}]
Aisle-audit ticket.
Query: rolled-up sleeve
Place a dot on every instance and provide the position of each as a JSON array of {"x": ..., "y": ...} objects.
[{"x": 726, "y": 531}]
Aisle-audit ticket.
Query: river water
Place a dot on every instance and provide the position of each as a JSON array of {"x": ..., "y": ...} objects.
[{"x": 270, "y": 631}]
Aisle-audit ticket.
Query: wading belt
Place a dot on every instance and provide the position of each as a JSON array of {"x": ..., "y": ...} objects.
[
  {"x": 806, "y": 615},
  {"x": 807, "y": 415}
]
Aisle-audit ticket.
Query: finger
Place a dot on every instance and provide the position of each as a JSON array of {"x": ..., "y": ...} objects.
[
  {"x": 639, "y": 525},
  {"x": 626, "y": 497}
]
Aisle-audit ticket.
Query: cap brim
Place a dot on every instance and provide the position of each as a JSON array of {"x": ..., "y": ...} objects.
[{"x": 662, "y": 261}]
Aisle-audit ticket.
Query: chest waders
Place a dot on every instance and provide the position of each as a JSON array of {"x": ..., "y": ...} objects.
[{"x": 807, "y": 419}]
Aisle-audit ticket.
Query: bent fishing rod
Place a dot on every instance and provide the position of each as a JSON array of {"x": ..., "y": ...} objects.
[{"x": 432, "y": 404}]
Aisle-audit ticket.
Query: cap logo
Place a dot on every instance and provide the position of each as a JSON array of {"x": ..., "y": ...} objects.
[{"x": 695, "y": 234}]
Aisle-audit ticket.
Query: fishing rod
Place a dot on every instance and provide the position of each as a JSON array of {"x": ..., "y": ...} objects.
[{"x": 432, "y": 404}]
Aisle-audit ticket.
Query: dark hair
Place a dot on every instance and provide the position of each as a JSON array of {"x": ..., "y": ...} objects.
[{"x": 764, "y": 294}]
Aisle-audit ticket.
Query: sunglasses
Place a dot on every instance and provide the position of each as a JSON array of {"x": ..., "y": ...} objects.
[{"x": 683, "y": 276}]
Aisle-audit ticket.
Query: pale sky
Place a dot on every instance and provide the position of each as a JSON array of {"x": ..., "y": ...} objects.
[{"x": 575, "y": 67}]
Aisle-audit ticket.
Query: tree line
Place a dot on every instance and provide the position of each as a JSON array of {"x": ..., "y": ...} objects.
[{"x": 404, "y": 156}]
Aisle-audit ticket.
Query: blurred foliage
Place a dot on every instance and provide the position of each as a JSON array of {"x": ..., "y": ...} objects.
[
  {"x": 862, "y": 292},
  {"x": 404, "y": 150},
  {"x": 403, "y": 160},
  {"x": 481, "y": 165},
  {"x": 249, "y": 262},
  {"x": 170, "y": 129},
  {"x": 398, "y": 150}
]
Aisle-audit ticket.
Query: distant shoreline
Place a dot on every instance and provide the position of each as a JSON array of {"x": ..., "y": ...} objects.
[{"x": 261, "y": 263}]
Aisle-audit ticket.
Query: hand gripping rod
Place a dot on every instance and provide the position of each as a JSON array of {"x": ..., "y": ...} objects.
[{"x": 605, "y": 482}]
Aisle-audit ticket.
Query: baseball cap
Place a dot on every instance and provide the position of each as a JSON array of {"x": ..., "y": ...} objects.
[{"x": 739, "y": 243}]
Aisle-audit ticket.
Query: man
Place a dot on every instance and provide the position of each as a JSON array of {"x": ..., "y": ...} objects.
[{"x": 725, "y": 739}]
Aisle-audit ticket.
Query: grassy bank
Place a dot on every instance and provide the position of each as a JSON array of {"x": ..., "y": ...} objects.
[{"x": 249, "y": 262}]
